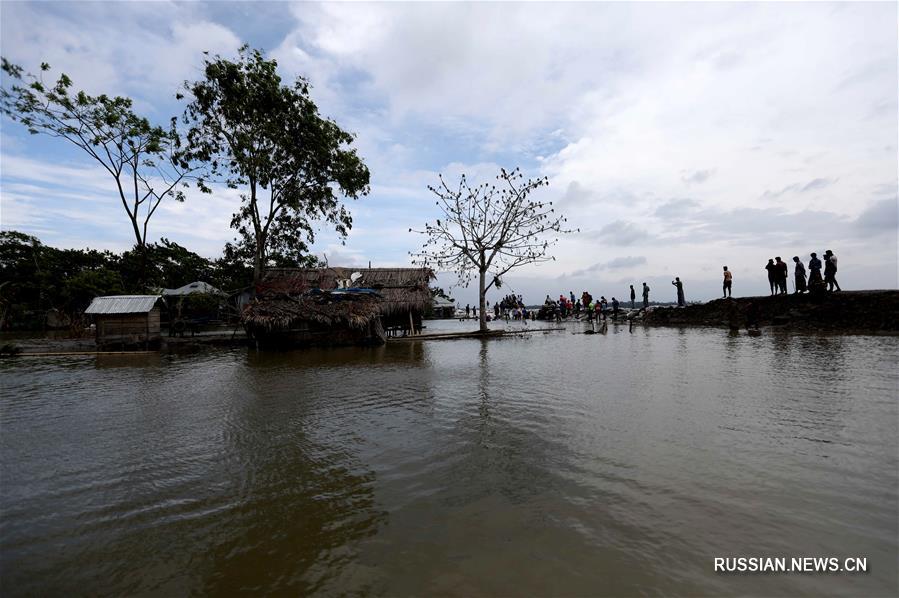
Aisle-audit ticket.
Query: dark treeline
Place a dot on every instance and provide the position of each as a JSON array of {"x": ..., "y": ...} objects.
[{"x": 36, "y": 279}]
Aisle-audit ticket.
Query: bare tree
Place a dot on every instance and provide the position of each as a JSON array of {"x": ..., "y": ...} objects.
[{"x": 489, "y": 229}]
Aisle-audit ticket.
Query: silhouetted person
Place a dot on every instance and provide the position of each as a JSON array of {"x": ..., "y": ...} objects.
[
  {"x": 815, "y": 282},
  {"x": 728, "y": 281},
  {"x": 645, "y": 295},
  {"x": 467, "y": 310},
  {"x": 614, "y": 308},
  {"x": 799, "y": 275},
  {"x": 680, "y": 291},
  {"x": 782, "y": 274},
  {"x": 772, "y": 274},
  {"x": 633, "y": 296},
  {"x": 830, "y": 271}
]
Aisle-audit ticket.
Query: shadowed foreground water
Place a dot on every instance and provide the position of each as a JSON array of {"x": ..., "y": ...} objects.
[{"x": 555, "y": 464}]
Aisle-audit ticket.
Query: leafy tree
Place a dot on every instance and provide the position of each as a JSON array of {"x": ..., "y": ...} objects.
[
  {"x": 164, "y": 265},
  {"x": 79, "y": 290},
  {"x": 35, "y": 278},
  {"x": 144, "y": 161},
  {"x": 489, "y": 229},
  {"x": 268, "y": 140},
  {"x": 234, "y": 270},
  {"x": 20, "y": 287}
]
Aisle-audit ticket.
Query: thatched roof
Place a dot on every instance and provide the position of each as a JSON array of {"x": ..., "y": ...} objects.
[
  {"x": 279, "y": 313},
  {"x": 403, "y": 289}
]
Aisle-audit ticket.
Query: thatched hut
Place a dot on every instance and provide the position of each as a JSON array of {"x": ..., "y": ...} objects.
[{"x": 337, "y": 305}]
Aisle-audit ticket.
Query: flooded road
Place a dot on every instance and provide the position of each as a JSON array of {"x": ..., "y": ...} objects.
[{"x": 552, "y": 464}]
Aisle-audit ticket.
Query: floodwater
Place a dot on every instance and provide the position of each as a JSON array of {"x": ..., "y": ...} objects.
[{"x": 553, "y": 464}]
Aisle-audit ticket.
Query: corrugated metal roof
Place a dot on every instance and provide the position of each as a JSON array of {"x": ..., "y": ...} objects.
[{"x": 122, "y": 304}]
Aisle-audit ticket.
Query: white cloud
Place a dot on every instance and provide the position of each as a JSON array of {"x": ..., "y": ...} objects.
[
  {"x": 144, "y": 50},
  {"x": 676, "y": 131}
]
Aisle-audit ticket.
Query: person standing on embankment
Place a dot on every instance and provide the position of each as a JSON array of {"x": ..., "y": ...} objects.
[
  {"x": 830, "y": 271},
  {"x": 782, "y": 274},
  {"x": 799, "y": 275},
  {"x": 772, "y": 274},
  {"x": 728, "y": 281},
  {"x": 815, "y": 283},
  {"x": 680, "y": 291}
]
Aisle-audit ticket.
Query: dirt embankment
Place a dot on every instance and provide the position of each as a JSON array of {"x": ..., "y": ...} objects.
[{"x": 849, "y": 311}]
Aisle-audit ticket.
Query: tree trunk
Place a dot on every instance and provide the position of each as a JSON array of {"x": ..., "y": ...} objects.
[
  {"x": 482, "y": 297},
  {"x": 257, "y": 266},
  {"x": 144, "y": 263}
]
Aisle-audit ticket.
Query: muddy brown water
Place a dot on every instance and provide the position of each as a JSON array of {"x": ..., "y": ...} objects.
[{"x": 553, "y": 464}]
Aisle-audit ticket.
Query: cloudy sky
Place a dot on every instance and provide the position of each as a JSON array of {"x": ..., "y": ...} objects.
[{"x": 678, "y": 137}]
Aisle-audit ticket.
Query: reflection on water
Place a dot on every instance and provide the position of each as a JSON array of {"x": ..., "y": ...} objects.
[{"x": 562, "y": 463}]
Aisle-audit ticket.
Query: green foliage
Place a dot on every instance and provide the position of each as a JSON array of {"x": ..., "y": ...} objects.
[
  {"x": 78, "y": 290},
  {"x": 146, "y": 162},
  {"x": 163, "y": 265},
  {"x": 234, "y": 270},
  {"x": 198, "y": 305},
  {"x": 269, "y": 140},
  {"x": 35, "y": 278}
]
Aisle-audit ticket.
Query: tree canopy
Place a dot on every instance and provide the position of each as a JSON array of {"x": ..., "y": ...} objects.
[
  {"x": 145, "y": 161},
  {"x": 269, "y": 141},
  {"x": 37, "y": 278}
]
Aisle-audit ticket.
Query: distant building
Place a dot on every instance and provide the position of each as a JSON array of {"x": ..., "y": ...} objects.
[
  {"x": 126, "y": 320},
  {"x": 191, "y": 289},
  {"x": 443, "y": 308}
]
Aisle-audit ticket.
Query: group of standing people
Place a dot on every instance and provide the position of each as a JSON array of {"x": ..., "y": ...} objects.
[
  {"x": 645, "y": 296},
  {"x": 586, "y": 305},
  {"x": 512, "y": 306},
  {"x": 777, "y": 276},
  {"x": 778, "y": 273}
]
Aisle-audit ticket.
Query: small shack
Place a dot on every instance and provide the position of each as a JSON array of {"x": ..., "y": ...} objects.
[
  {"x": 126, "y": 320},
  {"x": 443, "y": 308},
  {"x": 337, "y": 305}
]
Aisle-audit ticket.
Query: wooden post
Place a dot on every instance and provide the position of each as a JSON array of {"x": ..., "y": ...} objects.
[{"x": 411, "y": 324}]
